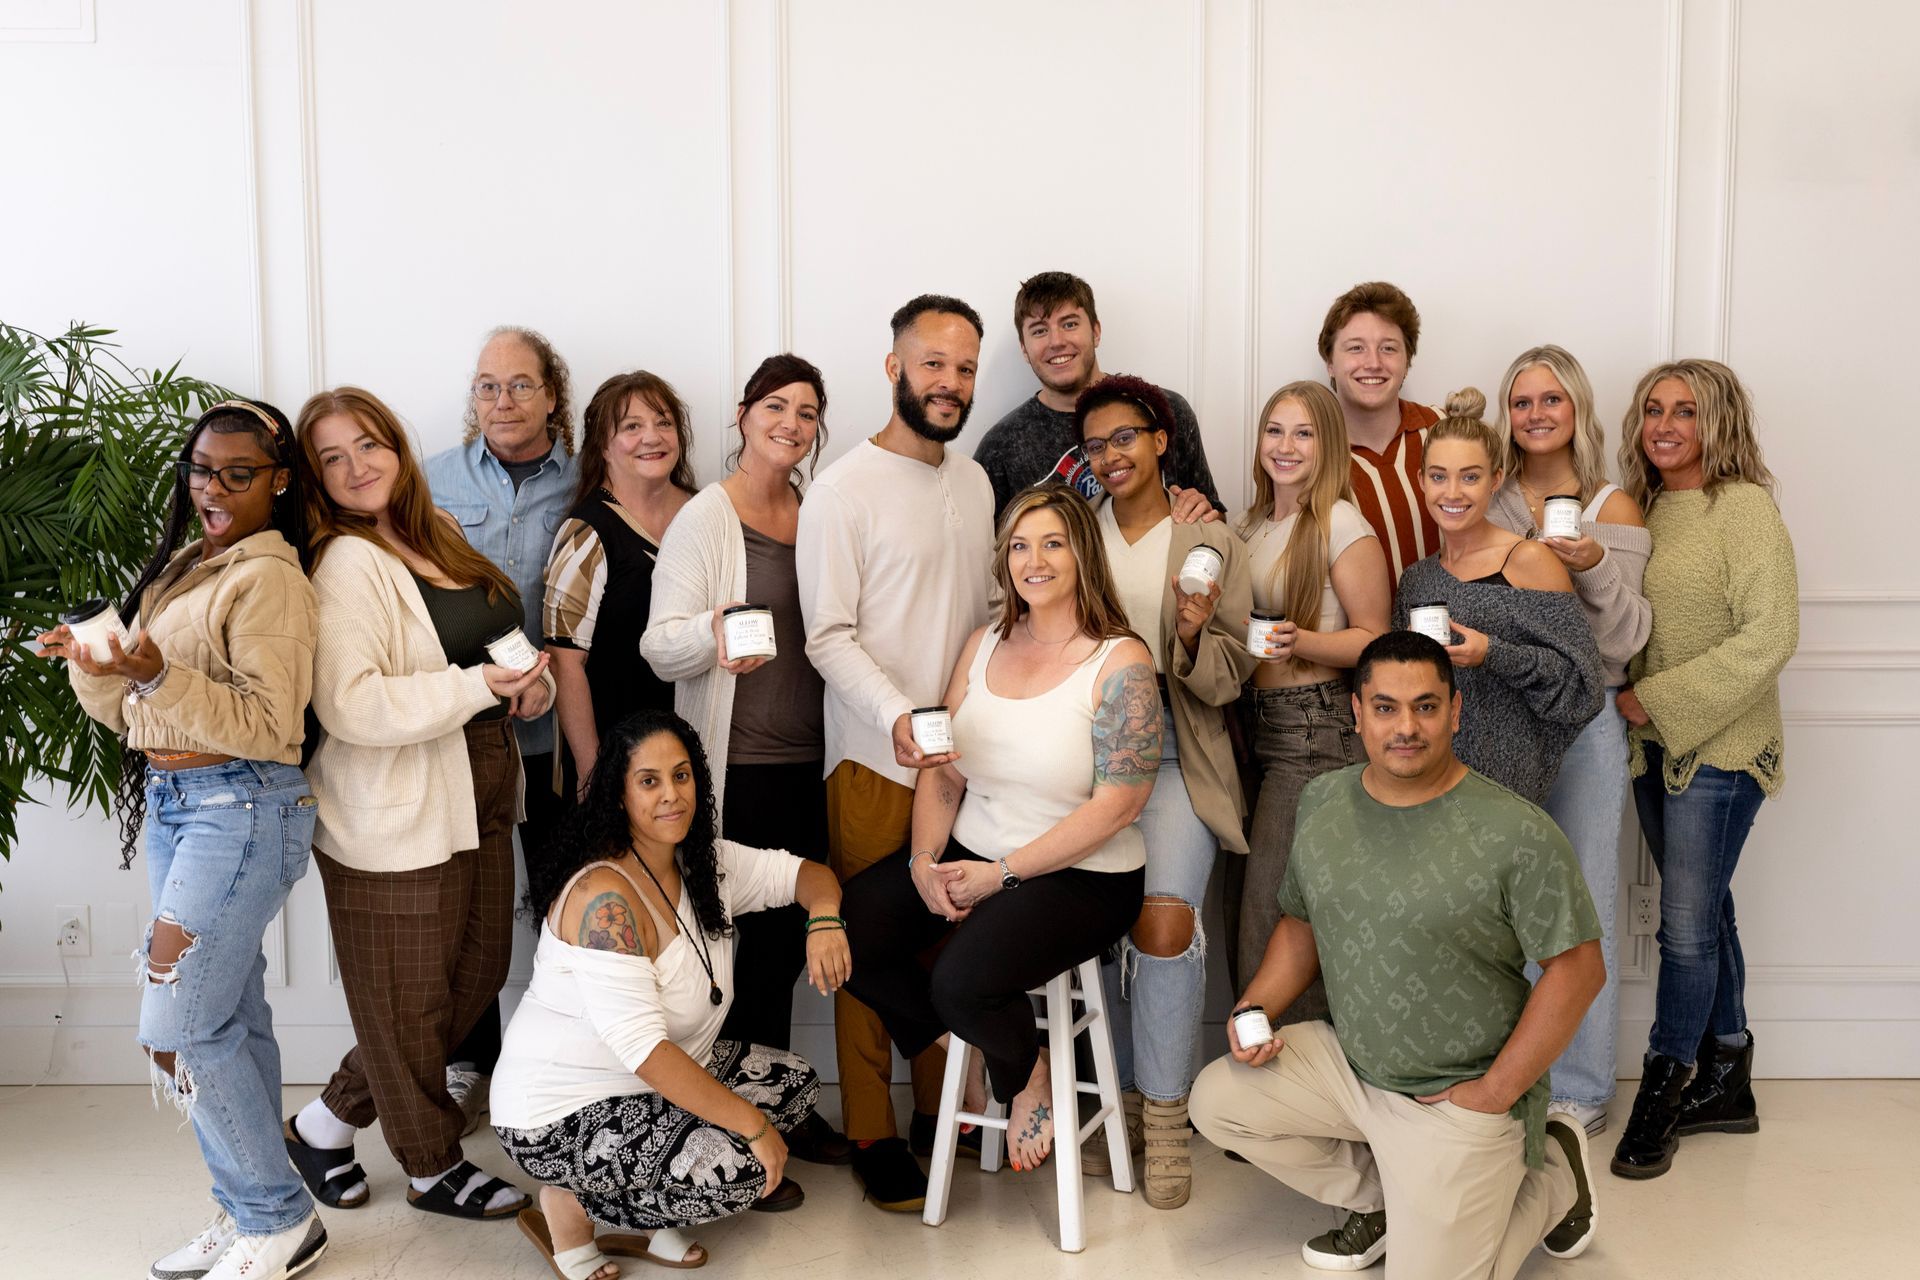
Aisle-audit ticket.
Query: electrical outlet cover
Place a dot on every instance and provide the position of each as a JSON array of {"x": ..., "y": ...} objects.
[{"x": 76, "y": 941}]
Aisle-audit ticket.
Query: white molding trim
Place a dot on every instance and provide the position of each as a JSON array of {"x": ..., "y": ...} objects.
[
  {"x": 1851, "y": 658},
  {"x": 1854, "y": 719},
  {"x": 1669, "y": 301},
  {"x": 250, "y": 135},
  {"x": 1256, "y": 107},
  {"x": 1197, "y": 266},
  {"x": 727, "y": 272},
  {"x": 80, "y": 31},
  {"x": 1860, "y": 595},
  {"x": 310, "y": 198},
  {"x": 783, "y": 100},
  {"x": 1729, "y": 159}
]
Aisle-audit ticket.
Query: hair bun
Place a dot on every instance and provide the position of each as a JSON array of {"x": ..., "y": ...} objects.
[{"x": 1467, "y": 402}]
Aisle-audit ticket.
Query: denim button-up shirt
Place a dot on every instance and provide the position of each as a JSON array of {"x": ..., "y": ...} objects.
[{"x": 513, "y": 528}]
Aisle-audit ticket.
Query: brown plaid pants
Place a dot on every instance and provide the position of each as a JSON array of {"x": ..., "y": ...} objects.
[{"x": 422, "y": 955}]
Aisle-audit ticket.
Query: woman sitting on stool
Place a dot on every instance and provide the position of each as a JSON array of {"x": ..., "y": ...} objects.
[
  {"x": 613, "y": 1088},
  {"x": 1024, "y": 846}
]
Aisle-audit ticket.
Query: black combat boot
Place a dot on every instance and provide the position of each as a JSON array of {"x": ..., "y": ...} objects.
[
  {"x": 1720, "y": 1098},
  {"x": 1646, "y": 1148}
]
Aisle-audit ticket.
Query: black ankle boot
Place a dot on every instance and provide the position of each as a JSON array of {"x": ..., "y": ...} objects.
[
  {"x": 1720, "y": 1098},
  {"x": 1646, "y": 1148}
]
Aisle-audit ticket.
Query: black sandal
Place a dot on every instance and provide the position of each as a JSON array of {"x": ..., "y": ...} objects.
[
  {"x": 314, "y": 1164},
  {"x": 787, "y": 1195},
  {"x": 445, "y": 1195}
]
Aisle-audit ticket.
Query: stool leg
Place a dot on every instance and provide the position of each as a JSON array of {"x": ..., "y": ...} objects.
[
  {"x": 992, "y": 1137},
  {"x": 1106, "y": 1074},
  {"x": 946, "y": 1128},
  {"x": 1066, "y": 1109}
]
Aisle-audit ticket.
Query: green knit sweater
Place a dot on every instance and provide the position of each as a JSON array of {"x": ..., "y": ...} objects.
[{"x": 1726, "y": 617}]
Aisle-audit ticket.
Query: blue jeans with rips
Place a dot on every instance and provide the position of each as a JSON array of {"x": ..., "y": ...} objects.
[
  {"x": 1695, "y": 838},
  {"x": 1155, "y": 1001},
  {"x": 224, "y": 845}
]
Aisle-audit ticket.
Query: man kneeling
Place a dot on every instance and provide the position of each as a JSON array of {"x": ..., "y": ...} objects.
[{"x": 1420, "y": 889}]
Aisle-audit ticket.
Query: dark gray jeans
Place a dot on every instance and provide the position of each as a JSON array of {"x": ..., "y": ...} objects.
[{"x": 1298, "y": 734}]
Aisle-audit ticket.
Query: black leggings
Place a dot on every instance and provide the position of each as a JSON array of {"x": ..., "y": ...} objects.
[
  {"x": 977, "y": 986},
  {"x": 771, "y": 806}
]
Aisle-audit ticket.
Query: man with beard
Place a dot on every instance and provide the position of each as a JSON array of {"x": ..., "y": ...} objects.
[
  {"x": 1420, "y": 889},
  {"x": 894, "y": 559},
  {"x": 1059, "y": 331}
]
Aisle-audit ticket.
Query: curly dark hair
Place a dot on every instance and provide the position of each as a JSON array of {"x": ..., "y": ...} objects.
[{"x": 598, "y": 827}]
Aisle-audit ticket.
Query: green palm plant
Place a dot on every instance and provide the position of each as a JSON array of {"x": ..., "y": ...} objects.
[{"x": 86, "y": 445}]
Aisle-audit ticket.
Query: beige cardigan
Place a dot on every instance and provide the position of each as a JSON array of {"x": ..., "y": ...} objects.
[
  {"x": 1198, "y": 687},
  {"x": 236, "y": 631},
  {"x": 391, "y": 775}
]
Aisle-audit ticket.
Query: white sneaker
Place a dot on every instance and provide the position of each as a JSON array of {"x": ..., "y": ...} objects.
[
  {"x": 1591, "y": 1115},
  {"x": 471, "y": 1092},
  {"x": 282, "y": 1255},
  {"x": 196, "y": 1257}
]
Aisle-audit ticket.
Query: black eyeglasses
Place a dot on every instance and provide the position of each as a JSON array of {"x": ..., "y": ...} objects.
[
  {"x": 1121, "y": 439},
  {"x": 232, "y": 479}
]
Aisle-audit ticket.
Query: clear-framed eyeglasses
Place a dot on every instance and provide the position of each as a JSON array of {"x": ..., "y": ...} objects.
[{"x": 520, "y": 389}]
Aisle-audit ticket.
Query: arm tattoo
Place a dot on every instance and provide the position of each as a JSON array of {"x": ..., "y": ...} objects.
[
  {"x": 1127, "y": 728},
  {"x": 608, "y": 925}
]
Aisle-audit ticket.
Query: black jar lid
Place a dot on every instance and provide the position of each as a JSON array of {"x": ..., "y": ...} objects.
[
  {"x": 920, "y": 711},
  {"x": 732, "y": 609}
]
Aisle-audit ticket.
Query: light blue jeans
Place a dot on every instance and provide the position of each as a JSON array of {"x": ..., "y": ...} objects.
[
  {"x": 1155, "y": 1000},
  {"x": 1589, "y": 801},
  {"x": 224, "y": 844}
]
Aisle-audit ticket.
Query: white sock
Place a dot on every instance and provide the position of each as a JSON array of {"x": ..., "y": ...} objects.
[
  {"x": 500, "y": 1199},
  {"x": 319, "y": 1127},
  {"x": 324, "y": 1131}
]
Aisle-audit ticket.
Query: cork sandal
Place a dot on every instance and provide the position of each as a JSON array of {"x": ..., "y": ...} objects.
[
  {"x": 1167, "y": 1182},
  {"x": 666, "y": 1247}
]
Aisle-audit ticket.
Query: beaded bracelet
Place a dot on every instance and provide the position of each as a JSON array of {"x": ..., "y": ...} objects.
[
  {"x": 814, "y": 920},
  {"x": 766, "y": 1124}
]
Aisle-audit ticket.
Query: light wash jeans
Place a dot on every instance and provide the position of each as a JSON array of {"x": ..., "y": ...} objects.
[
  {"x": 224, "y": 844},
  {"x": 1589, "y": 802},
  {"x": 1696, "y": 838},
  {"x": 1155, "y": 1001}
]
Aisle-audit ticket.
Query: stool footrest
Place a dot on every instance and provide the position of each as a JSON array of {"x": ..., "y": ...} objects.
[
  {"x": 985, "y": 1122},
  {"x": 1088, "y": 1129}
]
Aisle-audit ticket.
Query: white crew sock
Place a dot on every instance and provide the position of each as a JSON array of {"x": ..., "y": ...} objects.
[
  {"x": 500, "y": 1199},
  {"x": 322, "y": 1130}
]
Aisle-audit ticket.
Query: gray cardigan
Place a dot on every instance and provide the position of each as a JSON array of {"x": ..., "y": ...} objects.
[
  {"x": 1539, "y": 686},
  {"x": 1611, "y": 593}
]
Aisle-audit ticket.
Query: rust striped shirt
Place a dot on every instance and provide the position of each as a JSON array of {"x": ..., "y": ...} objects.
[{"x": 1386, "y": 488}]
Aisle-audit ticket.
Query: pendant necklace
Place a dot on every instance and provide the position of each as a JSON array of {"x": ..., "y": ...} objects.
[{"x": 700, "y": 949}]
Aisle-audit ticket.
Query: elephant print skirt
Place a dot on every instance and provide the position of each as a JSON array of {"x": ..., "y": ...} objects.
[{"x": 640, "y": 1163}]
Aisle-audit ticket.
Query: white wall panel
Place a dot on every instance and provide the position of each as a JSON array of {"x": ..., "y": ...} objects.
[
  {"x": 960, "y": 150},
  {"x": 562, "y": 173}
]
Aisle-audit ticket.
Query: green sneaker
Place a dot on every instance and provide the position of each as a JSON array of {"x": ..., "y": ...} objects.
[
  {"x": 1357, "y": 1244},
  {"x": 1570, "y": 1238}
]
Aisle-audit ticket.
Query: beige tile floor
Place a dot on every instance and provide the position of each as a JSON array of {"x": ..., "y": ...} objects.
[{"x": 94, "y": 1183}]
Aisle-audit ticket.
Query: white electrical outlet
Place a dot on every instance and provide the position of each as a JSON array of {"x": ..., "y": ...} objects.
[
  {"x": 75, "y": 926},
  {"x": 1643, "y": 910}
]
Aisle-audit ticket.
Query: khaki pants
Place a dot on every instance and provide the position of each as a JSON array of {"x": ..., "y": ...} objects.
[
  {"x": 870, "y": 817},
  {"x": 1459, "y": 1197}
]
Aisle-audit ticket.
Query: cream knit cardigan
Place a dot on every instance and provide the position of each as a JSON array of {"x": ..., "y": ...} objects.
[
  {"x": 702, "y": 565},
  {"x": 391, "y": 774}
]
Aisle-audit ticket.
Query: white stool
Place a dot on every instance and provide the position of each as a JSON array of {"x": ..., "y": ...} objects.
[{"x": 1081, "y": 983}]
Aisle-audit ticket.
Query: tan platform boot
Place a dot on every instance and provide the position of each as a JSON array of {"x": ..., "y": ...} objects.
[
  {"x": 1168, "y": 1180},
  {"x": 1093, "y": 1152}
]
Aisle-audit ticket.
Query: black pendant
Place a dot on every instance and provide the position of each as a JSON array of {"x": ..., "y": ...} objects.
[{"x": 714, "y": 996}]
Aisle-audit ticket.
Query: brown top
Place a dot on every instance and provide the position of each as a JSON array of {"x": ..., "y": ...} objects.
[{"x": 1386, "y": 488}]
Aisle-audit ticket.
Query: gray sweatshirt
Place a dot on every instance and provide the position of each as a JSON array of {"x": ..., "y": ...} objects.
[
  {"x": 1610, "y": 592},
  {"x": 1539, "y": 686}
]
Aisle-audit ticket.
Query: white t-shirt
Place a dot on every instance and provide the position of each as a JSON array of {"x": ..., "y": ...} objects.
[
  {"x": 1268, "y": 541},
  {"x": 1140, "y": 576},
  {"x": 590, "y": 1018}
]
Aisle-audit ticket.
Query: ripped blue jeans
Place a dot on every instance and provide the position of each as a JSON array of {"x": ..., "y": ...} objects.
[
  {"x": 224, "y": 844},
  {"x": 1155, "y": 1001}
]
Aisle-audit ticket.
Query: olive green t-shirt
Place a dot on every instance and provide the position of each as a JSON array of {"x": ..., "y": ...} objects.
[{"x": 1425, "y": 918}]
